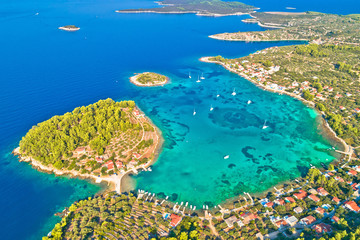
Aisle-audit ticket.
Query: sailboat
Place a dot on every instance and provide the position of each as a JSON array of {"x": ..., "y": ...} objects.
[
  {"x": 264, "y": 126},
  {"x": 194, "y": 113},
  {"x": 211, "y": 108},
  {"x": 189, "y": 75},
  {"x": 202, "y": 76},
  {"x": 249, "y": 102},
  {"x": 198, "y": 80},
  {"x": 233, "y": 93}
]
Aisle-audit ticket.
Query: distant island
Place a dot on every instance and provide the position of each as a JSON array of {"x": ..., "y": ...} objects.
[
  {"x": 102, "y": 141},
  {"x": 149, "y": 79},
  {"x": 203, "y": 8},
  {"x": 70, "y": 28},
  {"x": 303, "y": 26}
]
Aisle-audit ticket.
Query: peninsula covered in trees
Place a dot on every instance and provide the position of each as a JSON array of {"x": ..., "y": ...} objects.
[
  {"x": 307, "y": 26},
  {"x": 149, "y": 79},
  {"x": 101, "y": 139},
  {"x": 206, "y": 8}
]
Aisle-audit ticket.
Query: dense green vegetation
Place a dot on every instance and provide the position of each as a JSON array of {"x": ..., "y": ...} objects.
[
  {"x": 202, "y": 7},
  {"x": 71, "y": 26},
  {"x": 95, "y": 125},
  {"x": 111, "y": 216},
  {"x": 151, "y": 78},
  {"x": 324, "y": 28}
]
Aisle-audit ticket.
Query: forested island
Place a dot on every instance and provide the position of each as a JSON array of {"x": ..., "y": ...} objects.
[
  {"x": 102, "y": 139},
  {"x": 149, "y": 79},
  {"x": 70, "y": 28},
  {"x": 205, "y": 8},
  {"x": 307, "y": 26}
]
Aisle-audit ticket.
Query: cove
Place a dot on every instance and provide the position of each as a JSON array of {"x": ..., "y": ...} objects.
[{"x": 192, "y": 166}]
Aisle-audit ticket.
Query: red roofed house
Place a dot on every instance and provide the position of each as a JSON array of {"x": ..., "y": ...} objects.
[
  {"x": 335, "y": 199},
  {"x": 175, "y": 220},
  {"x": 351, "y": 205},
  {"x": 137, "y": 113},
  {"x": 307, "y": 220},
  {"x": 337, "y": 178},
  {"x": 342, "y": 108},
  {"x": 110, "y": 165},
  {"x": 301, "y": 195},
  {"x": 247, "y": 217},
  {"x": 357, "y": 110},
  {"x": 119, "y": 164},
  {"x": 352, "y": 172},
  {"x": 322, "y": 228},
  {"x": 322, "y": 191},
  {"x": 314, "y": 198},
  {"x": 269, "y": 204},
  {"x": 337, "y": 96},
  {"x": 281, "y": 223},
  {"x": 80, "y": 150},
  {"x": 137, "y": 155},
  {"x": 289, "y": 199},
  {"x": 99, "y": 159},
  {"x": 279, "y": 202},
  {"x": 320, "y": 210},
  {"x": 335, "y": 219}
]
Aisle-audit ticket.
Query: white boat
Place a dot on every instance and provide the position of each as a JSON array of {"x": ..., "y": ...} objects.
[
  {"x": 249, "y": 102},
  {"x": 226, "y": 157},
  {"x": 190, "y": 207},
  {"x": 203, "y": 206},
  {"x": 202, "y": 76},
  {"x": 149, "y": 169},
  {"x": 207, "y": 207},
  {"x": 194, "y": 208},
  {"x": 217, "y": 94},
  {"x": 181, "y": 203},
  {"x": 194, "y": 113},
  {"x": 233, "y": 93},
  {"x": 198, "y": 80},
  {"x": 211, "y": 108},
  {"x": 186, "y": 204},
  {"x": 264, "y": 126},
  {"x": 36, "y": 14},
  {"x": 167, "y": 197},
  {"x": 189, "y": 75}
]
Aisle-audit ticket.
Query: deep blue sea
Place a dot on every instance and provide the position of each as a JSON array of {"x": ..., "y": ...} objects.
[{"x": 45, "y": 71}]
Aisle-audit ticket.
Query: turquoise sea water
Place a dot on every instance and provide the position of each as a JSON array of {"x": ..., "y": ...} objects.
[{"x": 45, "y": 72}]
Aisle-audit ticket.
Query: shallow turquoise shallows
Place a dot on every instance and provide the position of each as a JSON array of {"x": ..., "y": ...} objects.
[
  {"x": 45, "y": 71},
  {"x": 214, "y": 155}
]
